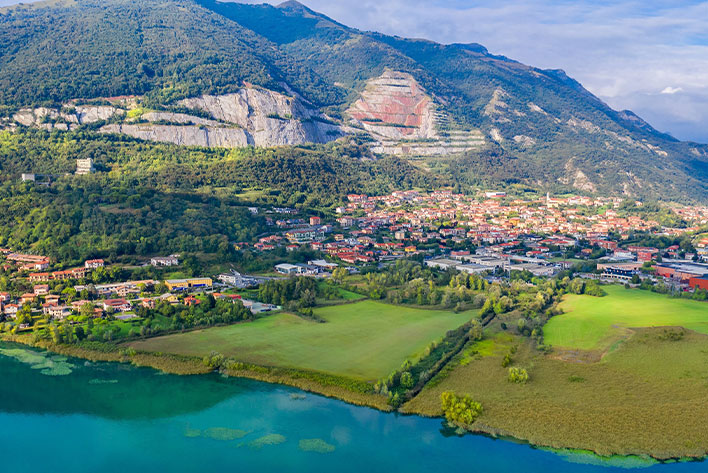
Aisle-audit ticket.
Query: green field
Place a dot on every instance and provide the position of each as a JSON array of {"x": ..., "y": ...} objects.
[
  {"x": 592, "y": 323},
  {"x": 366, "y": 340}
]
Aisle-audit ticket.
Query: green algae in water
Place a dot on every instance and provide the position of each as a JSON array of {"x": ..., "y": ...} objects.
[
  {"x": 223, "y": 433},
  {"x": 57, "y": 370},
  {"x": 266, "y": 440},
  {"x": 48, "y": 365},
  {"x": 585, "y": 457},
  {"x": 315, "y": 445},
  {"x": 192, "y": 433},
  {"x": 27, "y": 357},
  {"x": 103, "y": 381},
  {"x": 297, "y": 396}
]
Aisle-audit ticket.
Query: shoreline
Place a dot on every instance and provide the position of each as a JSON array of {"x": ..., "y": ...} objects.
[{"x": 189, "y": 365}]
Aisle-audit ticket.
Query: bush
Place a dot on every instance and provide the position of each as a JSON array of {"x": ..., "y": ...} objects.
[
  {"x": 460, "y": 410},
  {"x": 506, "y": 361},
  {"x": 214, "y": 360},
  {"x": 518, "y": 375}
]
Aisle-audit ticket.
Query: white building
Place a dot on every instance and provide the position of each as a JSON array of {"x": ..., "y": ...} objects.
[
  {"x": 84, "y": 166},
  {"x": 285, "y": 268},
  {"x": 164, "y": 261}
]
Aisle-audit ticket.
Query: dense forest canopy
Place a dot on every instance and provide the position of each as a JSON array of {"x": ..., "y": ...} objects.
[{"x": 154, "y": 198}]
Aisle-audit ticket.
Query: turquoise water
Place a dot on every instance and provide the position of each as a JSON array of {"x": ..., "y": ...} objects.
[{"x": 66, "y": 415}]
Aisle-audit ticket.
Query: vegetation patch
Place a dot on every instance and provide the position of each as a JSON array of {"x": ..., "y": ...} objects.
[
  {"x": 266, "y": 440},
  {"x": 223, "y": 433},
  {"x": 591, "y": 323},
  {"x": 47, "y": 364},
  {"x": 315, "y": 445},
  {"x": 647, "y": 397}
]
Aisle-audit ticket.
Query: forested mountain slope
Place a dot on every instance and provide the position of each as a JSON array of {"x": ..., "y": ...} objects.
[{"x": 487, "y": 117}]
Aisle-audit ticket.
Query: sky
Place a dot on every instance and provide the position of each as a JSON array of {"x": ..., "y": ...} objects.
[{"x": 647, "y": 56}]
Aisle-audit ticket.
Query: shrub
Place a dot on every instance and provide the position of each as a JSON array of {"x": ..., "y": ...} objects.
[
  {"x": 460, "y": 410},
  {"x": 506, "y": 361},
  {"x": 214, "y": 360},
  {"x": 518, "y": 375}
]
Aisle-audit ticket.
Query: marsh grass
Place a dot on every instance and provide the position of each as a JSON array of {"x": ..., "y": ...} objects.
[{"x": 635, "y": 401}]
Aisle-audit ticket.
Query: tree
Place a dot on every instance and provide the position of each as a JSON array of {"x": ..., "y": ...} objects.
[
  {"x": 407, "y": 380},
  {"x": 24, "y": 315},
  {"x": 476, "y": 332},
  {"x": 506, "y": 361},
  {"x": 339, "y": 274},
  {"x": 460, "y": 410},
  {"x": 87, "y": 310}
]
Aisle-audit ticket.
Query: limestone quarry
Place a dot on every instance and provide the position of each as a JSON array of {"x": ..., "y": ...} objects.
[{"x": 397, "y": 111}]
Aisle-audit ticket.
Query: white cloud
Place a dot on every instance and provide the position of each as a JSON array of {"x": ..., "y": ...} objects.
[{"x": 671, "y": 90}]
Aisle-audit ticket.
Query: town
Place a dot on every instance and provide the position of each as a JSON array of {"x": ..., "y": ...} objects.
[{"x": 490, "y": 235}]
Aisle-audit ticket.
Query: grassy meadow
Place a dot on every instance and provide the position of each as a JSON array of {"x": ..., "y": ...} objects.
[
  {"x": 647, "y": 396},
  {"x": 595, "y": 323},
  {"x": 364, "y": 340}
]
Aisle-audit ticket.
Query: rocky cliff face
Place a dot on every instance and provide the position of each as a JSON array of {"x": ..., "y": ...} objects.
[
  {"x": 190, "y": 135},
  {"x": 269, "y": 118},
  {"x": 396, "y": 110},
  {"x": 65, "y": 118},
  {"x": 251, "y": 116}
]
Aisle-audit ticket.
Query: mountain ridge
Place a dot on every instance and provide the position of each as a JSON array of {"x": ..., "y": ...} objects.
[{"x": 171, "y": 50}]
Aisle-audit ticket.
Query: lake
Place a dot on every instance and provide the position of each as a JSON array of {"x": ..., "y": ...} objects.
[{"x": 67, "y": 415}]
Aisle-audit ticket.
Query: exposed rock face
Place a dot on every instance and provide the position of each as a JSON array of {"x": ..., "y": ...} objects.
[
  {"x": 395, "y": 106},
  {"x": 92, "y": 114},
  {"x": 250, "y": 117},
  {"x": 184, "y": 135},
  {"x": 396, "y": 110},
  {"x": 524, "y": 140},
  {"x": 577, "y": 178},
  {"x": 51, "y": 118},
  {"x": 181, "y": 118},
  {"x": 268, "y": 117}
]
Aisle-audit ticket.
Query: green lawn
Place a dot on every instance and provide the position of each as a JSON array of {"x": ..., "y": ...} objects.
[
  {"x": 591, "y": 323},
  {"x": 366, "y": 340}
]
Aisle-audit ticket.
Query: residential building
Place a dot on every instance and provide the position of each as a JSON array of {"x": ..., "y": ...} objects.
[
  {"x": 305, "y": 235},
  {"x": 94, "y": 263},
  {"x": 171, "y": 260},
  {"x": 59, "y": 312},
  {"x": 118, "y": 305},
  {"x": 41, "y": 289},
  {"x": 10, "y": 310}
]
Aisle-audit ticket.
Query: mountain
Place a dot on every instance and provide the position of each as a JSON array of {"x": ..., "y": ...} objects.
[{"x": 207, "y": 73}]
